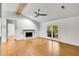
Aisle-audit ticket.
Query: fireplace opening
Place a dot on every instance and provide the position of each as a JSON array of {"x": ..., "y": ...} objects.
[{"x": 29, "y": 34}]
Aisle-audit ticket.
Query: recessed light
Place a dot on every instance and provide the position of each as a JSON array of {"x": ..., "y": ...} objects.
[{"x": 62, "y": 7}]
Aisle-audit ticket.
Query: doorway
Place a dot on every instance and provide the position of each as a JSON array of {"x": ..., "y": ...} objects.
[{"x": 11, "y": 28}]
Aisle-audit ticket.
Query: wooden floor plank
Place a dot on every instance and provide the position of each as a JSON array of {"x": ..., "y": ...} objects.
[{"x": 38, "y": 47}]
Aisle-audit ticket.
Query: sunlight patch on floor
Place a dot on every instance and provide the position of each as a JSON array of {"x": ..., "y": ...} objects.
[{"x": 56, "y": 48}]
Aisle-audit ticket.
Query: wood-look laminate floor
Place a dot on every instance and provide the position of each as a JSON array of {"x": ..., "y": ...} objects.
[{"x": 38, "y": 47}]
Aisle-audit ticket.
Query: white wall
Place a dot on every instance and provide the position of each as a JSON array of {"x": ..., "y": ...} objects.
[
  {"x": 0, "y": 26},
  {"x": 22, "y": 23},
  {"x": 69, "y": 30},
  {"x": 26, "y": 24}
]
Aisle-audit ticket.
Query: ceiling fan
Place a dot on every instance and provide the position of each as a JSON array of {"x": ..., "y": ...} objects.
[{"x": 39, "y": 14}]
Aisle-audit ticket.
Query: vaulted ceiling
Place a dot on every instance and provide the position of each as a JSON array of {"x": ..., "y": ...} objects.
[{"x": 53, "y": 10}]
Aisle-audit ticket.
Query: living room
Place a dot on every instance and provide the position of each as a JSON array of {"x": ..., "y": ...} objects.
[{"x": 33, "y": 22}]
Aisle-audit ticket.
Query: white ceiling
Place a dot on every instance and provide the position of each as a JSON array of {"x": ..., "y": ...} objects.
[
  {"x": 53, "y": 10},
  {"x": 9, "y": 7}
]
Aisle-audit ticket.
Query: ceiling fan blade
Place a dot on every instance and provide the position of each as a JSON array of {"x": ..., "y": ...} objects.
[
  {"x": 38, "y": 9},
  {"x": 37, "y": 15},
  {"x": 35, "y": 12},
  {"x": 43, "y": 14}
]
